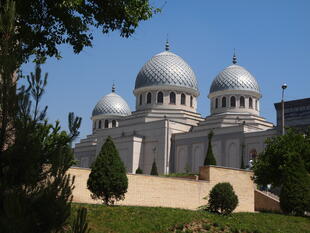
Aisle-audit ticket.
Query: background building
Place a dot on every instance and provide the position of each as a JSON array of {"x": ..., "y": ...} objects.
[{"x": 296, "y": 114}]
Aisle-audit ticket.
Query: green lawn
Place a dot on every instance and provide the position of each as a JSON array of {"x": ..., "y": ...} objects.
[{"x": 130, "y": 219}]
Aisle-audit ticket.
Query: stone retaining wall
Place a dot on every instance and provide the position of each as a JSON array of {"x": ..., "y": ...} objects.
[
  {"x": 146, "y": 190},
  {"x": 263, "y": 202}
]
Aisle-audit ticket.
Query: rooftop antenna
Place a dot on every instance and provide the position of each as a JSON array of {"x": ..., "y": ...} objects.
[
  {"x": 167, "y": 47},
  {"x": 234, "y": 61},
  {"x": 113, "y": 87}
]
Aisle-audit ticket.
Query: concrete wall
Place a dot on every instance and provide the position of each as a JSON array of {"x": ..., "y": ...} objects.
[
  {"x": 145, "y": 190},
  {"x": 263, "y": 202}
]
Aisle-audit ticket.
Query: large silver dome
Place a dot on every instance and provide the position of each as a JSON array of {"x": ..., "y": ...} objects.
[
  {"x": 167, "y": 69},
  {"x": 112, "y": 104},
  {"x": 234, "y": 77}
]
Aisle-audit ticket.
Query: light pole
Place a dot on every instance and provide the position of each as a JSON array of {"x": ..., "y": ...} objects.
[{"x": 284, "y": 86}]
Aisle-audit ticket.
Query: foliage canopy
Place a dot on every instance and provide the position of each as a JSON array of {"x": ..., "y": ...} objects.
[
  {"x": 42, "y": 25},
  {"x": 270, "y": 166}
]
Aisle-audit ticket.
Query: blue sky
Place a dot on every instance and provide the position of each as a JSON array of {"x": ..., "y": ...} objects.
[{"x": 272, "y": 41}]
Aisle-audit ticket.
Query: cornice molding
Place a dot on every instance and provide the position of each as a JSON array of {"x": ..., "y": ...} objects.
[
  {"x": 234, "y": 92},
  {"x": 141, "y": 90}
]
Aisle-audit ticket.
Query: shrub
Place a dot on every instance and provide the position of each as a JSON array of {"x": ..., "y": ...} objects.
[
  {"x": 139, "y": 170},
  {"x": 107, "y": 179},
  {"x": 222, "y": 199}
]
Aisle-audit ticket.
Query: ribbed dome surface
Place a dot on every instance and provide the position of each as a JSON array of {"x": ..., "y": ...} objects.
[
  {"x": 234, "y": 77},
  {"x": 112, "y": 104},
  {"x": 166, "y": 69}
]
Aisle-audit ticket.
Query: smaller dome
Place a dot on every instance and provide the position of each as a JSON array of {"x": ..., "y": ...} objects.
[
  {"x": 234, "y": 77},
  {"x": 112, "y": 104}
]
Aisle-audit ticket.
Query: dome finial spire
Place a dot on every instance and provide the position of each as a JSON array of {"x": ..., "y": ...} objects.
[
  {"x": 167, "y": 46},
  {"x": 234, "y": 61},
  {"x": 113, "y": 87}
]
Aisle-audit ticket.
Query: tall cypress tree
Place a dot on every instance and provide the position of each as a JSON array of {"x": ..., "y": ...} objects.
[
  {"x": 210, "y": 160},
  {"x": 108, "y": 180},
  {"x": 242, "y": 156},
  {"x": 154, "y": 171}
]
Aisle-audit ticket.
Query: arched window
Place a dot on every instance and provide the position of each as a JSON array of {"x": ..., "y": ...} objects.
[
  {"x": 182, "y": 99},
  {"x": 216, "y": 103},
  {"x": 256, "y": 104},
  {"x": 172, "y": 98},
  {"x": 114, "y": 123},
  {"x": 99, "y": 125},
  {"x": 250, "y": 103},
  {"x": 160, "y": 97},
  {"x": 106, "y": 124},
  {"x": 140, "y": 99},
  {"x": 224, "y": 102},
  {"x": 242, "y": 102},
  {"x": 149, "y": 98},
  {"x": 191, "y": 101},
  {"x": 233, "y": 101}
]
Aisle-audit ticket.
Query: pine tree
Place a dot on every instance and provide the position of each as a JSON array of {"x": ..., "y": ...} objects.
[
  {"x": 154, "y": 171},
  {"x": 210, "y": 160},
  {"x": 295, "y": 192},
  {"x": 108, "y": 180},
  {"x": 36, "y": 191}
]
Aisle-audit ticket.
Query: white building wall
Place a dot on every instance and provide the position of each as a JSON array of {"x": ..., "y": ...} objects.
[{"x": 198, "y": 156}]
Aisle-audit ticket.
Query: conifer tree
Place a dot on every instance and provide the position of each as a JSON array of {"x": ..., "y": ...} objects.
[
  {"x": 108, "y": 180},
  {"x": 154, "y": 171},
  {"x": 295, "y": 192},
  {"x": 210, "y": 160},
  {"x": 35, "y": 189},
  {"x": 242, "y": 156}
]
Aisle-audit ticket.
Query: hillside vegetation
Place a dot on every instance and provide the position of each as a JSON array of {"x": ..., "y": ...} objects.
[{"x": 125, "y": 219}]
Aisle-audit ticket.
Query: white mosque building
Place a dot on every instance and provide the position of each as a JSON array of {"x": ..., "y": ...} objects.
[{"x": 166, "y": 126}]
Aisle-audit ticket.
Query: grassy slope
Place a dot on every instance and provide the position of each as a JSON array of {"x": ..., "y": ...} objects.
[{"x": 155, "y": 219}]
